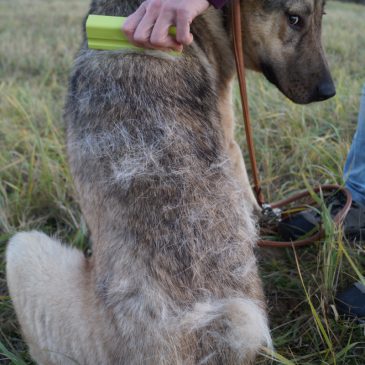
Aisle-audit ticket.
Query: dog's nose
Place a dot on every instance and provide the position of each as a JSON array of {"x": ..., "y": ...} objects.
[{"x": 325, "y": 90}]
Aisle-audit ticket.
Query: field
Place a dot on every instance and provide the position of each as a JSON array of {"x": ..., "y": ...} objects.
[{"x": 295, "y": 146}]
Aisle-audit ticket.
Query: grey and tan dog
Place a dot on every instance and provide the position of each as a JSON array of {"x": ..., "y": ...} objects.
[{"x": 162, "y": 185}]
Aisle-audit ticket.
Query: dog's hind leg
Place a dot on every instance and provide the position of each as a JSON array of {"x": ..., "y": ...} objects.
[{"x": 45, "y": 282}]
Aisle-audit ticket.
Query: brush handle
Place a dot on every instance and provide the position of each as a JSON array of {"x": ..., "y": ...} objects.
[{"x": 105, "y": 33}]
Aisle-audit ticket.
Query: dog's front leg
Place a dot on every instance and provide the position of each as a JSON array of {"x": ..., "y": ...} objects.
[{"x": 233, "y": 149}]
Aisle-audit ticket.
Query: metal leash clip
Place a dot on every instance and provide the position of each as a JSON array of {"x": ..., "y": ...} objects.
[{"x": 270, "y": 215}]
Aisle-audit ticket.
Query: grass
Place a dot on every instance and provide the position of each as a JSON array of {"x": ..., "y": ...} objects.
[{"x": 295, "y": 145}]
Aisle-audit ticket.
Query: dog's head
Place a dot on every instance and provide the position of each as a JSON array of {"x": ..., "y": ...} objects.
[{"x": 283, "y": 41}]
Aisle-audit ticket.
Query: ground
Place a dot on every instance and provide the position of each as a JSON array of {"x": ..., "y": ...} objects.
[{"x": 295, "y": 146}]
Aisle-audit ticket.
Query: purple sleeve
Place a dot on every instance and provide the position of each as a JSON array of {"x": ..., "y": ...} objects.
[{"x": 218, "y": 3}]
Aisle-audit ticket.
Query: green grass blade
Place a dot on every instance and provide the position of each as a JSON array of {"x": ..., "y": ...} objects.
[{"x": 15, "y": 359}]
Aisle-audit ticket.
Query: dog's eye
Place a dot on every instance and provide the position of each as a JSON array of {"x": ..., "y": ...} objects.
[{"x": 294, "y": 20}]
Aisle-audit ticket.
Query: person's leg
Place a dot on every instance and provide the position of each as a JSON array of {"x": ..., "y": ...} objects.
[
  {"x": 354, "y": 170},
  {"x": 351, "y": 302}
]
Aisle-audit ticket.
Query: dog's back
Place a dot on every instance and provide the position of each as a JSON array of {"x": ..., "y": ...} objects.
[{"x": 173, "y": 278}]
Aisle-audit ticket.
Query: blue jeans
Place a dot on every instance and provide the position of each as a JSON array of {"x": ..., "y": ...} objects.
[{"x": 354, "y": 170}]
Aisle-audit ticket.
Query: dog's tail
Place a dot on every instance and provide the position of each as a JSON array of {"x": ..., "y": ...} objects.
[{"x": 237, "y": 327}]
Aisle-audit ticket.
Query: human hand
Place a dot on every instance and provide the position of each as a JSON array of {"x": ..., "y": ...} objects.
[{"x": 148, "y": 26}]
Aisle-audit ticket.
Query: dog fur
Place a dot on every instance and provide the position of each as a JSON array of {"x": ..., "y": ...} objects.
[{"x": 163, "y": 188}]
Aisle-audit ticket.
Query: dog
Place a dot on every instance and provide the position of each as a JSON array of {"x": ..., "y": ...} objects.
[{"x": 162, "y": 185}]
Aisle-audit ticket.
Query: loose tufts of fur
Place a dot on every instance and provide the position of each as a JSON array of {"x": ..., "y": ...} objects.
[{"x": 163, "y": 188}]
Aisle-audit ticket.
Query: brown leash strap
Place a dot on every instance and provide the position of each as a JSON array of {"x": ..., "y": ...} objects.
[
  {"x": 338, "y": 219},
  {"x": 240, "y": 65}
]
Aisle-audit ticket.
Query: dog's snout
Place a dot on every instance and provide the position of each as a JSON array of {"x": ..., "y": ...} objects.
[{"x": 325, "y": 90}]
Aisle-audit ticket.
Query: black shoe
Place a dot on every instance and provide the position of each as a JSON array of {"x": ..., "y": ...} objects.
[
  {"x": 354, "y": 224},
  {"x": 307, "y": 222},
  {"x": 300, "y": 225},
  {"x": 351, "y": 302}
]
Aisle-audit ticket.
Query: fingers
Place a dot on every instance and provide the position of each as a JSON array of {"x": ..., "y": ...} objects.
[
  {"x": 131, "y": 23},
  {"x": 138, "y": 26},
  {"x": 160, "y": 37},
  {"x": 148, "y": 27},
  {"x": 145, "y": 27},
  {"x": 183, "y": 21}
]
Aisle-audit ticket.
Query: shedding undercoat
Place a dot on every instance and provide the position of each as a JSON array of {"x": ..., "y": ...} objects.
[{"x": 164, "y": 191}]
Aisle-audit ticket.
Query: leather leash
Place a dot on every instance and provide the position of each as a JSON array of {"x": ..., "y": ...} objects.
[
  {"x": 240, "y": 65},
  {"x": 241, "y": 74}
]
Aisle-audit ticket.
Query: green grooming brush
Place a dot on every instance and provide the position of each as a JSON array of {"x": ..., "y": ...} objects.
[{"x": 104, "y": 33}]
